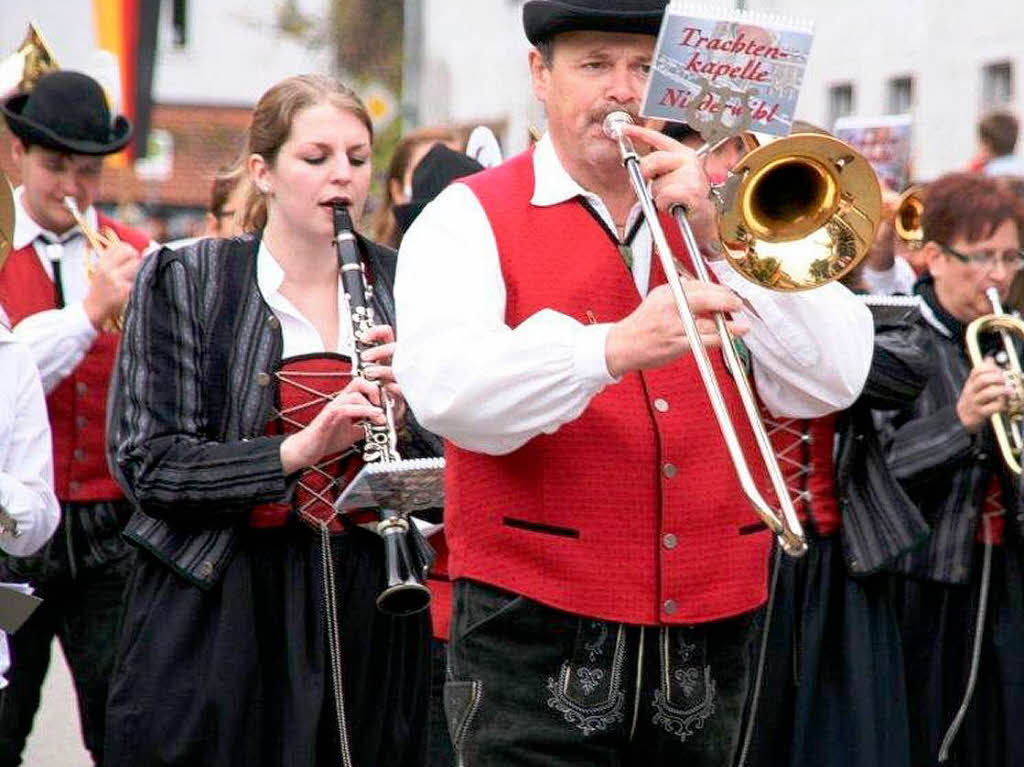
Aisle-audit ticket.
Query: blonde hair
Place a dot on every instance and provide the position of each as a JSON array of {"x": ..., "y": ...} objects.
[{"x": 272, "y": 121}]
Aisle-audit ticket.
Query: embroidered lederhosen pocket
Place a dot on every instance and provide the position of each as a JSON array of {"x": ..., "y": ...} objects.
[
  {"x": 685, "y": 697},
  {"x": 587, "y": 690},
  {"x": 477, "y": 609}
]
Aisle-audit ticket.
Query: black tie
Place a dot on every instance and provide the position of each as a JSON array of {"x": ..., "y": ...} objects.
[{"x": 58, "y": 285}]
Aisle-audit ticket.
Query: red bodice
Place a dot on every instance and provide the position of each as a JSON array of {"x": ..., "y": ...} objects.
[{"x": 303, "y": 386}]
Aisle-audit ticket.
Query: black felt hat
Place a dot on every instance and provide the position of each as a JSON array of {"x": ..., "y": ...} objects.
[
  {"x": 544, "y": 18},
  {"x": 438, "y": 168},
  {"x": 67, "y": 111}
]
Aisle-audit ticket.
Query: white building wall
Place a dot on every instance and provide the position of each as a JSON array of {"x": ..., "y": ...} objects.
[
  {"x": 233, "y": 53},
  {"x": 475, "y": 68}
]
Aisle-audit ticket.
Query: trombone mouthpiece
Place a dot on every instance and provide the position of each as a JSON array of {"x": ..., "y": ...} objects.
[{"x": 613, "y": 123}]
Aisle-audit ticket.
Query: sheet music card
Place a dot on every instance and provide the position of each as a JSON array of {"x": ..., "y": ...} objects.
[{"x": 726, "y": 71}]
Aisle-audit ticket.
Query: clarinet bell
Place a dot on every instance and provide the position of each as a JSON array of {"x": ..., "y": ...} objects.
[{"x": 405, "y": 593}]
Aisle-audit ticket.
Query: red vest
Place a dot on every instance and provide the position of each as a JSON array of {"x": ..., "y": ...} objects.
[
  {"x": 77, "y": 407},
  {"x": 440, "y": 588},
  {"x": 632, "y": 512},
  {"x": 804, "y": 451}
]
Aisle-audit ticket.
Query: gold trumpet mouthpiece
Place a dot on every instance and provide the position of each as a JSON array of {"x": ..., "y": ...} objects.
[
  {"x": 71, "y": 204},
  {"x": 613, "y": 123}
]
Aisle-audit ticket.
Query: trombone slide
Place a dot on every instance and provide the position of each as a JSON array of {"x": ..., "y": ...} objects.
[{"x": 786, "y": 525}]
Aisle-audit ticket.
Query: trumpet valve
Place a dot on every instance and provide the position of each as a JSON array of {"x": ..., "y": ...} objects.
[{"x": 1015, "y": 399}]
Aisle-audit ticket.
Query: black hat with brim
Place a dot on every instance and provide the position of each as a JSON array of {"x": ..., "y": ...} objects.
[
  {"x": 439, "y": 167},
  {"x": 544, "y": 18},
  {"x": 68, "y": 112}
]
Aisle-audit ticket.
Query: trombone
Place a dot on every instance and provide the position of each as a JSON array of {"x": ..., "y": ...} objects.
[{"x": 799, "y": 212}]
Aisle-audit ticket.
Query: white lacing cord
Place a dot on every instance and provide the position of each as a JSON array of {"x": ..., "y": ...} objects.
[
  {"x": 334, "y": 642},
  {"x": 979, "y": 630},
  {"x": 762, "y": 654}
]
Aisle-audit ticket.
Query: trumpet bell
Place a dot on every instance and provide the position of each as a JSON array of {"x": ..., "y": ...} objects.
[
  {"x": 909, "y": 214},
  {"x": 799, "y": 212}
]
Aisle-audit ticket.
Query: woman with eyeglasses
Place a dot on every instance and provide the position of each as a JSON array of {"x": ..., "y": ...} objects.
[{"x": 960, "y": 593}]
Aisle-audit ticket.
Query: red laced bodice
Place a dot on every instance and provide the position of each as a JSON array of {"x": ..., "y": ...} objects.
[{"x": 304, "y": 385}]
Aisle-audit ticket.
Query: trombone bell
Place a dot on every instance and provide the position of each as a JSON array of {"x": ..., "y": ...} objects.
[{"x": 799, "y": 212}]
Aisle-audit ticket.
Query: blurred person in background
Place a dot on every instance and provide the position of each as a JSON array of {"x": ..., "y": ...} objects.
[
  {"x": 997, "y": 141},
  {"x": 227, "y": 195},
  {"x": 63, "y": 301},
  {"x": 398, "y": 181}
]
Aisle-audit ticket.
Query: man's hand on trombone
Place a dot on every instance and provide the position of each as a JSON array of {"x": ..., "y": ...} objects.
[
  {"x": 653, "y": 334},
  {"x": 677, "y": 177}
]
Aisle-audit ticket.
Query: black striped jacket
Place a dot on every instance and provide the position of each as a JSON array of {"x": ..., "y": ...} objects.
[
  {"x": 880, "y": 521},
  {"x": 189, "y": 401},
  {"x": 945, "y": 469}
]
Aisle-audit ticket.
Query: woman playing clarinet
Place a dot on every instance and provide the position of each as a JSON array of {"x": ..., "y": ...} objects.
[{"x": 251, "y": 634}]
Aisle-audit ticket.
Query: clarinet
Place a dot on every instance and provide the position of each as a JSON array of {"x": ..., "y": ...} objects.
[{"x": 404, "y": 593}]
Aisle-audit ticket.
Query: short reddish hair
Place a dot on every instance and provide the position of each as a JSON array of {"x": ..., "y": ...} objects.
[{"x": 969, "y": 206}]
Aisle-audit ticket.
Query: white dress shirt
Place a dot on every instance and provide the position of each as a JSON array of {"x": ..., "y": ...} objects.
[
  {"x": 26, "y": 452},
  {"x": 490, "y": 388},
  {"x": 297, "y": 332},
  {"x": 898, "y": 279},
  {"x": 57, "y": 338}
]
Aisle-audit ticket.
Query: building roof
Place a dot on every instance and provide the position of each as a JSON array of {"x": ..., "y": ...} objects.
[{"x": 205, "y": 139}]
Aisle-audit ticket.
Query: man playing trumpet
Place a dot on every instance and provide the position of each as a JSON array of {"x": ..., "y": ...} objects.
[{"x": 61, "y": 299}]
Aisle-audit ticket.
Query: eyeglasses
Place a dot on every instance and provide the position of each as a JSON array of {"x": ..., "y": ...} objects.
[{"x": 1012, "y": 258}]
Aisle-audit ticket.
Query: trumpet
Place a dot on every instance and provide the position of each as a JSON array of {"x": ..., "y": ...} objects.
[
  {"x": 1008, "y": 425},
  {"x": 829, "y": 210},
  {"x": 99, "y": 242}
]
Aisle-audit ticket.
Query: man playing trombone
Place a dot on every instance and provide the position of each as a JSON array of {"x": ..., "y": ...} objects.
[
  {"x": 960, "y": 594},
  {"x": 62, "y": 129},
  {"x": 606, "y": 563}
]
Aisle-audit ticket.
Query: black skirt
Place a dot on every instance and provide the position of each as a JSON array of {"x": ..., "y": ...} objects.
[
  {"x": 832, "y": 690},
  {"x": 938, "y": 623},
  {"x": 240, "y": 674}
]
